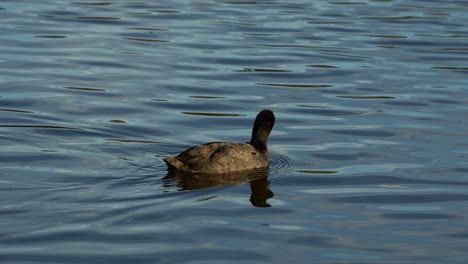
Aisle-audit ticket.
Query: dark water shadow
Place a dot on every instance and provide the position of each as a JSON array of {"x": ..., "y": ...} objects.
[{"x": 258, "y": 180}]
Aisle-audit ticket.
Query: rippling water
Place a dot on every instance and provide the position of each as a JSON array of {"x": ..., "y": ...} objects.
[{"x": 369, "y": 153}]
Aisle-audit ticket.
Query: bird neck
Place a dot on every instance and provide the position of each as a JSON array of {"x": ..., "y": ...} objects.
[{"x": 259, "y": 140}]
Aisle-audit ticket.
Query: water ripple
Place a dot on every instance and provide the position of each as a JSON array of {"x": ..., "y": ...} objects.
[{"x": 370, "y": 102}]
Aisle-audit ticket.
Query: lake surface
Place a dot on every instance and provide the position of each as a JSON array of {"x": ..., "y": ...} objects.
[{"x": 369, "y": 152}]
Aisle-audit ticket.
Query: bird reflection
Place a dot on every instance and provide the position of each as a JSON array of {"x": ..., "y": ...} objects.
[
  {"x": 260, "y": 192},
  {"x": 258, "y": 180}
]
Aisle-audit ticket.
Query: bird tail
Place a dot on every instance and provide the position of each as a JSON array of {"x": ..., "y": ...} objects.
[{"x": 174, "y": 164}]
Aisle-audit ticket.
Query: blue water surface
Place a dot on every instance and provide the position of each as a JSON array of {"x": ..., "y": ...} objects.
[{"x": 368, "y": 154}]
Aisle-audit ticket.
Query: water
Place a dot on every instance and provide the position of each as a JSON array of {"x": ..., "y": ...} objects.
[{"x": 369, "y": 152}]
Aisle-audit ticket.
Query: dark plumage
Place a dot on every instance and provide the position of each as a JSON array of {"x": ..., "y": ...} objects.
[{"x": 225, "y": 157}]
